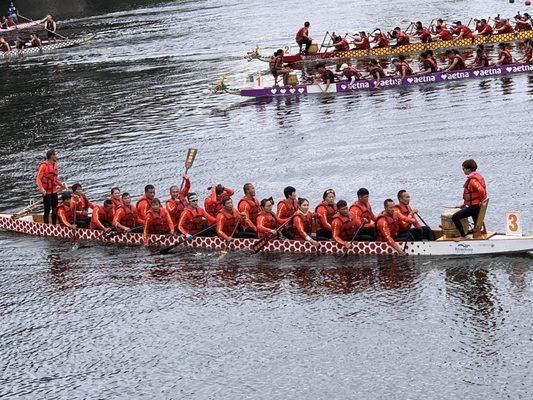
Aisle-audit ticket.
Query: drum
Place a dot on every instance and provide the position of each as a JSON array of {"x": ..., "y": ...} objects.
[
  {"x": 292, "y": 79},
  {"x": 447, "y": 225},
  {"x": 313, "y": 49}
]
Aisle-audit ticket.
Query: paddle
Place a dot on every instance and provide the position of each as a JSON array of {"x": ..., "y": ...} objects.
[
  {"x": 29, "y": 208},
  {"x": 191, "y": 155},
  {"x": 421, "y": 219},
  {"x": 353, "y": 238},
  {"x": 46, "y": 29},
  {"x": 167, "y": 249},
  {"x": 323, "y": 41},
  {"x": 258, "y": 245},
  {"x": 225, "y": 252},
  {"x": 115, "y": 233},
  {"x": 73, "y": 239}
]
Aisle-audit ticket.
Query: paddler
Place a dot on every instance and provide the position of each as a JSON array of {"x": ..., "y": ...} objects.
[
  {"x": 324, "y": 214},
  {"x": 231, "y": 224},
  {"x": 178, "y": 200},
  {"x": 343, "y": 227},
  {"x": 48, "y": 184},
  {"x": 326, "y": 76},
  {"x": 213, "y": 203},
  {"x": 380, "y": 39},
  {"x": 422, "y": 32},
  {"x": 35, "y": 41},
  {"x": 145, "y": 203},
  {"x": 463, "y": 31},
  {"x": 83, "y": 204},
  {"x": 277, "y": 69},
  {"x": 362, "y": 214},
  {"x": 403, "y": 68},
  {"x": 387, "y": 227},
  {"x": 250, "y": 206},
  {"x": 522, "y": 24},
  {"x": 126, "y": 216},
  {"x": 442, "y": 31},
  {"x": 474, "y": 193},
  {"x": 302, "y": 38},
  {"x": 267, "y": 222},
  {"x": 303, "y": 222},
  {"x": 409, "y": 226},
  {"x": 456, "y": 61},
  {"x": 20, "y": 43},
  {"x": 195, "y": 219},
  {"x": 350, "y": 73},
  {"x": 286, "y": 209},
  {"x": 483, "y": 28},
  {"x": 51, "y": 26},
  {"x": 116, "y": 197},
  {"x": 4, "y": 46},
  {"x": 339, "y": 43},
  {"x": 402, "y": 38},
  {"x": 362, "y": 42},
  {"x": 102, "y": 218},
  {"x": 376, "y": 71},
  {"x": 481, "y": 60},
  {"x": 502, "y": 25},
  {"x": 66, "y": 210},
  {"x": 528, "y": 51},
  {"x": 158, "y": 221},
  {"x": 504, "y": 55}
]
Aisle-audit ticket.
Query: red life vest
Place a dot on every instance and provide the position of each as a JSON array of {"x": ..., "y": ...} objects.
[
  {"x": 213, "y": 208},
  {"x": 485, "y": 30},
  {"x": 69, "y": 213},
  {"x": 402, "y": 39},
  {"x": 365, "y": 45},
  {"x": 351, "y": 71},
  {"x": 270, "y": 222},
  {"x": 377, "y": 71},
  {"x": 130, "y": 215},
  {"x": 460, "y": 63},
  {"x": 158, "y": 224},
  {"x": 303, "y": 31},
  {"x": 253, "y": 210},
  {"x": 507, "y": 28},
  {"x": 307, "y": 222},
  {"x": 348, "y": 228},
  {"x": 394, "y": 228},
  {"x": 230, "y": 221},
  {"x": 50, "y": 25},
  {"x": 522, "y": 26},
  {"x": 49, "y": 178},
  {"x": 144, "y": 200},
  {"x": 196, "y": 223},
  {"x": 83, "y": 203},
  {"x": 429, "y": 63},
  {"x": 481, "y": 61},
  {"x": 105, "y": 218},
  {"x": 528, "y": 53},
  {"x": 331, "y": 210},
  {"x": 290, "y": 208},
  {"x": 445, "y": 34},
  {"x": 408, "y": 69},
  {"x": 507, "y": 57},
  {"x": 176, "y": 212},
  {"x": 405, "y": 210},
  {"x": 116, "y": 203},
  {"x": 382, "y": 40},
  {"x": 366, "y": 211},
  {"x": 473, "y": 198},
  {"x": 275, "y": 62},
  {"x": 466, "y": 31},
  {"x": 342, "y": 45},
  {"x": 425, "y": 35}
]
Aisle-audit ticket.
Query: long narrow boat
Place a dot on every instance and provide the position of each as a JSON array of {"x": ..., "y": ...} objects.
[
  {"x": 392, "y": 51},
  {"x": 15, "y": 30},
  {"x": 493, "y": 244},
  {"x": 60, "y": 44},
  {"x": 388, "y": 82}
]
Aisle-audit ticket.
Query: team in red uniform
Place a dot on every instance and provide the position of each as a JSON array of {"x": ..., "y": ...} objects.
[
  {"x": 363, "y": 216},
  {"x": 387, "y": 227},
  {"x": 483, "y": 28},
  {"x": 157, "y": 221},
  {"x": 194, "y": 219},
  {"x": 126, "y": 217},
  {"x": 402, "y": 38},
  {"x": 343, "y": 226},
  {"x": 144, "y": 203},
  {"x": 267, "y": 222},
  {"x": 402, "y": 66},
  {"x": 504, "y": 55},
  {"x": 231, "y": 223}
]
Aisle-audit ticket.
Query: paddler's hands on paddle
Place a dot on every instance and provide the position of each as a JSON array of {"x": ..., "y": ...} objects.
[
  {"x": 399, "y": 250},
  {"x": 348, "y": 245},
  {"x": 312, "y": 241}
]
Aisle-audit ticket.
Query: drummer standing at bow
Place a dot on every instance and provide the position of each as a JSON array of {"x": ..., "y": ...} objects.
[
  {"x": 302, "y": 37},
  {"x": 475, "y": 192},
  {"x": 48, "y": 184}
]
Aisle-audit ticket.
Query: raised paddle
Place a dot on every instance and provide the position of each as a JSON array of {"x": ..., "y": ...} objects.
[
  {"x": 259, "y": 244},
  {"x": 191, "y": 155},
  {"x": 352, "y": 239},
  {"x": 46, "y": 29},
  {"x": 167, "y": 249}
]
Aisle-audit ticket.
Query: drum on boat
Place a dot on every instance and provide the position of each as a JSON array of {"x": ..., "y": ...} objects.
[
  {"x": 292, "y": 79},
  {"x": 447, "y": 225},
  {"x": 313, "y": 49}
]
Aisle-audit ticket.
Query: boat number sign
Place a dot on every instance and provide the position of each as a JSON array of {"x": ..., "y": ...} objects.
[
  {"x": 286, "y": 49},
  {"x": 512, "y": 224},
  {"x": 258, "y": 81}
]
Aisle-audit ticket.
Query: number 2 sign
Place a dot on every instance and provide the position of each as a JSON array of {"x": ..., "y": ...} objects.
[
  {"x": 512, "y": 224},
  {"x": 286, "y": 49}
]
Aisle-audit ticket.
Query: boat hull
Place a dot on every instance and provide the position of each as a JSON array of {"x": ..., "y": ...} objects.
[
  {"x": 498, "y": 244},
  {"x": 13, "y": 31},
  {"x": 390, "y": 82},
  {"x": 62, "y": 44}
]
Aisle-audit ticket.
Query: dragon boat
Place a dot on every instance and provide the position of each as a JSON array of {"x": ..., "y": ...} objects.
[
  {"x": 485, "y": 243},
  {"x": 396, "y": 50},
  {"x": 385, "y": 83},
  {"x": 26, "y": 27},
  {"x": 46, "y": 47}
]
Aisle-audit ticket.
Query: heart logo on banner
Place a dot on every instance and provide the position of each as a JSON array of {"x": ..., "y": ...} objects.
[
  {"x": 509, "y": 69},
  {"x": 283, "y": 91},
  {"x": 343, "y": 87},
  {"x": 273, "y": 91},
  {"x": 292, "y": 90},
  {"x": 301, "y": 90},
  {"x": 410, "y": 80},
  {"x": 476, "y": 73},
  {"x": 444, "y": 76}
]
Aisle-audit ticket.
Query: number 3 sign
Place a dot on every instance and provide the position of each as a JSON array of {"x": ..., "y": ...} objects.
[{"x": 512, "y": 224}]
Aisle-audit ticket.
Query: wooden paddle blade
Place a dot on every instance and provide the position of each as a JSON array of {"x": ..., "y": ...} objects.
[
  {"x": 258, "y": 245},
  {"x": 191, "y": 155},
  {"x": 223, "y": 254}
]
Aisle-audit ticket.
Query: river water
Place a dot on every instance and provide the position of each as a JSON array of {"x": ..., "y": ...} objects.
[{"x": 102, "y": 322}]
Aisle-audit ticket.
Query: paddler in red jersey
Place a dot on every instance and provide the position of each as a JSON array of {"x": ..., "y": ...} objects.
[
  {"x": 342, "y": 226},
  {"x": 339, "y": 43},
  {"x": 502, "y": 25},
  {"x": 528, "y": 51},
  {"x": 267, "y": 222},
  {"x": 463, "y": 31},
  {"x": 380, "y": 39},
  {"x": 442, "y": 31},
  {"x": 326, "y": 76},
  {"x": 428, "y": 64},
  {"x": 362, "y": 215},
  {"x": 350, "y": 73},
  {"x": 481, "y": 60},
  {"x": 277, "y": 69},
  {"x": 231, "y": 224},
  {"x": 522, "y": 24},
  {"x": 302, "y": 38},
  {"x": 48, "y": 183},
  {"x": 249, "y": 205},
  {"x": 286, "y": 209},
  {"x": 303, "y": 222},
  {"x": 82, "y": 206},
  {"x": 66, "y": 211},
  {"x": 126, "y": 217},
  {"x": 504, "y": 55},
  {"x": 423, "y": 33},
  {"x": 144, "y": 203},
  {"x": 362, "y": 42},
  {"x": 483, "y": 28},
  {"x": 403, "y": 68},
  {"x": 410, "y": 228},
  {"x": 376, "y": 71},
  {"x": 158, "y": 221},
  {"x": 178, "y": 200},
  {"x": 456, "y": 61},
  {"x": 474, "y": 193},
  {"x": 194, "y": 219},
  {"x": 116, "y": 198},
  {"x": 402, "y": 38},
  {"x": 102, "y": 218},
  {"x": 387, "y": 227},
  {"x": 324, "y": 213},
  {"x": 213, "y": 203}
]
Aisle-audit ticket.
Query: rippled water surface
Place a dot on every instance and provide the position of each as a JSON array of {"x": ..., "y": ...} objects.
[{"x": 110, "y": 322}]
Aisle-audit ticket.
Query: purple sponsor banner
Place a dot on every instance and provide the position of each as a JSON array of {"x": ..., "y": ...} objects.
[{"x": 391, "y": 81}]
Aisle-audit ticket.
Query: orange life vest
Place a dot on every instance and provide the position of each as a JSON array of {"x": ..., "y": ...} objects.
[
  {"x": 142, "y": 200},
  {"x": 348, "y": 228},
  {"x": 290, "y": 208},
  {"x": 405, "y": 210},
  {"x": 254, "y": 209},
  {"x": 158, "y": 224},
  {"x": 83, "y": 203},
  {"x": 331, "y": 210},
  {"x": 366, "y": 211},
  {"x": 270, "y": 222},
  {"x": 307, "y": 223},
  {"x": 105, "y": 218},
  {"x": 402, "y": 39},
  {"x": 175, "y": 213},
  {"x": 507, "y": 57},
  {"x": 194, "y": 224},
  {"x": 130, "y": 215},
  {"x": 408, "y": 69},
  {"x": 69, "y": 213},
  {"x": 230, "y": 221},
  {"x": 394, "y": 228},
  {"x": 473, "y": 198},
  {"x": 49, "y": 178}
]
